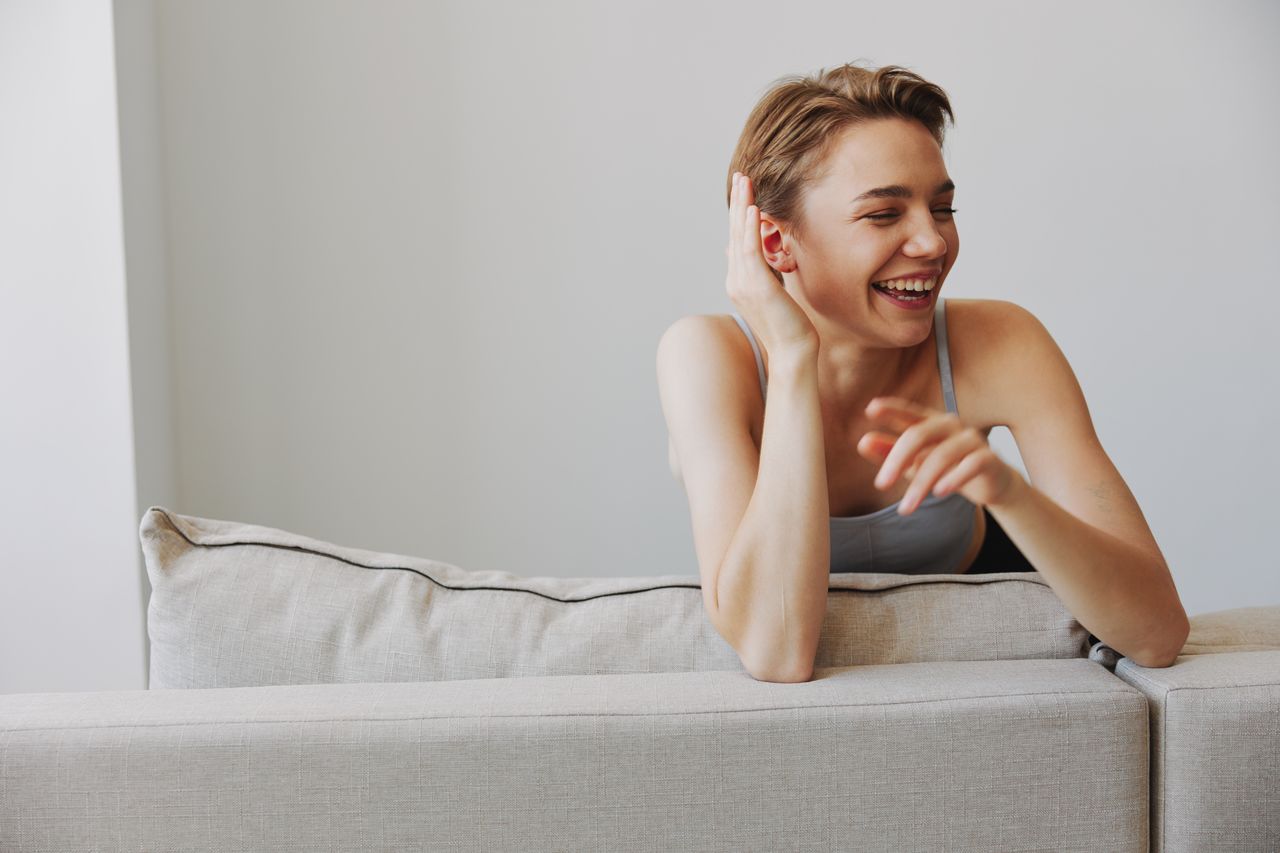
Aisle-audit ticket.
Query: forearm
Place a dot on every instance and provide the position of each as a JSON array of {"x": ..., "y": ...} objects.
[
  {"x": 1120, "y": 593},
  {"x": 772, "y": 586}
]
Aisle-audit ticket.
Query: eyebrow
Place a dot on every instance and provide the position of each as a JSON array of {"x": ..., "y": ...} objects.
[{"x": 899, "y": 191}]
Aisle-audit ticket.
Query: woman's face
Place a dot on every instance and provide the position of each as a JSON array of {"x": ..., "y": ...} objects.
[{"x": 881, "y": 211}]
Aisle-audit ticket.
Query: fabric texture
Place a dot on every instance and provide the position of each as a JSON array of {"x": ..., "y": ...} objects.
[
  {"x": 236, "y": 604},
  {"x": 1241, "y": 629},
  {"x": 934, "y": 538},
  {"x": 971, "y": 756},
  {"x": 1215, "y": 746}
]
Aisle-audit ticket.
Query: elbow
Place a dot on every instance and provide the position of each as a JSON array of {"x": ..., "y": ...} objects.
[
  {"x": 1154, "y": 661},
  {"x": 782, "y": 674},
  {"x": 1167, "y": 653},
  {"x": 768, "y": 659},
  {"x": 764, "y": 656},
  {"x": 800, "y": 675}
]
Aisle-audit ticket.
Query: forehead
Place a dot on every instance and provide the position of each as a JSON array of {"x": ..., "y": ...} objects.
[{"x": 883, "y": 151}]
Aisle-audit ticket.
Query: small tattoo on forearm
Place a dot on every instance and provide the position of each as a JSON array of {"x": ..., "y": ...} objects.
[{"x": 1103, "y": 492}]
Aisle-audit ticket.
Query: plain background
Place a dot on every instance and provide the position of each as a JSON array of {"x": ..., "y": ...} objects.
[{"x": 392, "y": 274}]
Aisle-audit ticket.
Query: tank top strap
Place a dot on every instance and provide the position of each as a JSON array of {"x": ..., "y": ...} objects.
[
  {"x": 755, "y": 349},
  {"x": 944, "y": 354}
]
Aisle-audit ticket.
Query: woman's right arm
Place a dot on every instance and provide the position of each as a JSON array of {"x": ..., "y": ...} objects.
[
  {"x": 759, "y": 518},
  {"x": 772, "y": 588}
]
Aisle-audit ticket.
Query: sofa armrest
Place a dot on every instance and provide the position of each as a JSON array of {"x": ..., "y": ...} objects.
[
  {"x": 982, "y": 755},
  {"x": 1215, "y": 750},
  {"x": 1241, "y": 629}
]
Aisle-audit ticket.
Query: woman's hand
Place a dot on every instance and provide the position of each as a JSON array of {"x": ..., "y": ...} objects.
[
  {"x": 776, "y": 319},
  {"x": 936, "y": 452}
]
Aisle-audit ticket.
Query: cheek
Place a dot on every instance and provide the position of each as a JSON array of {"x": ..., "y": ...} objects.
[{"x": 953, "y": 244}]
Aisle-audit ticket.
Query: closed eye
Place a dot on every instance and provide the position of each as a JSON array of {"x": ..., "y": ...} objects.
[{"x": 938, "y": 211}]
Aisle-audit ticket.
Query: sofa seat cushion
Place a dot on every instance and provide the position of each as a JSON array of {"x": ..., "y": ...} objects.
[{"x": 237, "y": 605}]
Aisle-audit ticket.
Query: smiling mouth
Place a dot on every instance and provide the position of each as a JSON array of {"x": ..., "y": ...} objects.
[{"x": 906, "y": 287}]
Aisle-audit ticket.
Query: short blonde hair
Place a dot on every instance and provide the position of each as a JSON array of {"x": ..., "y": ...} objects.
[{"x": 790, "y": 131}]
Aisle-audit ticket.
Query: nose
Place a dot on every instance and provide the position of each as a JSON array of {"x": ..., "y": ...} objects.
[{"x": 926, "y": 241}]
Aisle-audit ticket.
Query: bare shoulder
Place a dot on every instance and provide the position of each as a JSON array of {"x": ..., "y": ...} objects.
[
  {"x": 704, "y": 336},
  {"x": 714, "y": 342},
  {"x": 982, "y": 335},
  {"x": 704, "y": 360},
  {"x": 988, "y": 320}
]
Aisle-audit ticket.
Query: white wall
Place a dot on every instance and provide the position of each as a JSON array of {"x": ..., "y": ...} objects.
[
  {"x": 150, "y": 348},
  {"x": 71, "y": 611},
  {"x": 422, "y": 254}
]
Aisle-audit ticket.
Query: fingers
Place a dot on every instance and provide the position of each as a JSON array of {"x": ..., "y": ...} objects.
[
  {"x": 941, "y": 461},
  {"x": 898, "y": 411},
  {"x": 732, "y": 248},
  {"x": 959, "y": 474},
  {"x": 744, "y": 217},
  {"x": 751, "y": 218},
  {"x": 929, "y": 431},
  {"x": 876, "y": 444}
]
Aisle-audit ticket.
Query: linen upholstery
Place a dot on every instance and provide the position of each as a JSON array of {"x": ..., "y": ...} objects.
[
  {"x": 1241, "y": 629},
  {"x": 1013, "y": 755},
  {"x": 1215, "y": 748},
  {"x": 237, "y": 605}
]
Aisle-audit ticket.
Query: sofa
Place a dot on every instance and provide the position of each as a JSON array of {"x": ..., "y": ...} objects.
[{"x": 310, "y": 696}]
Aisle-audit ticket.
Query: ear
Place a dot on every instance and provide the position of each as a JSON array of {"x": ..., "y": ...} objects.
[{"x": 775, "y": 245}]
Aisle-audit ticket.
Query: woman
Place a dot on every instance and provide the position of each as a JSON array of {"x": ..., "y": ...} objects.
[{"x": 838, "y": 420}]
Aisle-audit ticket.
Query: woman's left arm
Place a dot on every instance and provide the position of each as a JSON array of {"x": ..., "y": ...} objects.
[
  {"x": 1121, "y": 592},
  {"x": 1076, "y": 521}
]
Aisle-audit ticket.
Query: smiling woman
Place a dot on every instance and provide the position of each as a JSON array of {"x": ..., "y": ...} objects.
[{"x": 865, "y": 447}]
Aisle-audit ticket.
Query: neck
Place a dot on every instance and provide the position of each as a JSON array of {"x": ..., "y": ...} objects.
[
  {"x": 853, "y": 372},
  {"x": 853, "y": 369}
]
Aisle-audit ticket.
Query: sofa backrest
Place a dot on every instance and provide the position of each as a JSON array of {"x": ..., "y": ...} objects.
[{"x": 241, "y": 605}]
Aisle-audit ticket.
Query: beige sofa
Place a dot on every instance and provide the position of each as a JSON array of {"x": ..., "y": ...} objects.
[{"x": 309, "y": 696}]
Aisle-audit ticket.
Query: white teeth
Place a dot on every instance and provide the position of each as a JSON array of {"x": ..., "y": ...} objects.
[{"x": 909, "y": 283}]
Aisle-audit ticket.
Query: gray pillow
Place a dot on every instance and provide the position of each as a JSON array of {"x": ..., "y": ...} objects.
[{"x": 240, "y": 605}]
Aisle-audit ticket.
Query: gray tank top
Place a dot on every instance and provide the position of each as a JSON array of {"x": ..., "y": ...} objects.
[{"x": 931, "y": 540}]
